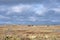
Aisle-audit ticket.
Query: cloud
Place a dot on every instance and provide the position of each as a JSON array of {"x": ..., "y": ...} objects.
[
  {"x": 55, "y": 20},
  {"x": 29, "y": 13},
  {"x": 4, "y": 17},
  {"x": 20, "y": 19},
  {"x": 42, "y": 20},
  {"x": 18, "y": 8},
  {"x": 40, "y": 9},
  {"x": 56, "y": 9},
  {"x": 11, "y": 2},
  {"x": 3, "y": 8},
  {"x": 8, "y": 22},
  {"x": 33, "y": 19},
  {"x": 20, "y": 1}
]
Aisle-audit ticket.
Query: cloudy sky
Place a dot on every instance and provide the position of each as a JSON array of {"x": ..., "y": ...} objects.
[{"x": 37, "y": 12}]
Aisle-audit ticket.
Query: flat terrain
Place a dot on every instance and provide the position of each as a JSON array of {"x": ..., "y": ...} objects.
[{"x": 30, "y": 32}]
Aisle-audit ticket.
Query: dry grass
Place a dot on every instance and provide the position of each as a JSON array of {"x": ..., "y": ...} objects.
[{"x": 29, "y": 32}]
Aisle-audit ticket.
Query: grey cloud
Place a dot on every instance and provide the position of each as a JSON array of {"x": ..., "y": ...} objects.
[
  {"x": 20, "y": 1},
  {"x": 27, "y": 1}
]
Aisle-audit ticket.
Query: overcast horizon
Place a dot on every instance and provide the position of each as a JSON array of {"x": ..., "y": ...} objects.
[{"x": 35, "y": 12}]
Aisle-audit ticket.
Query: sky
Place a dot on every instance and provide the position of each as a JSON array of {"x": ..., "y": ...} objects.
[{"x": 34, "y": 12}]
